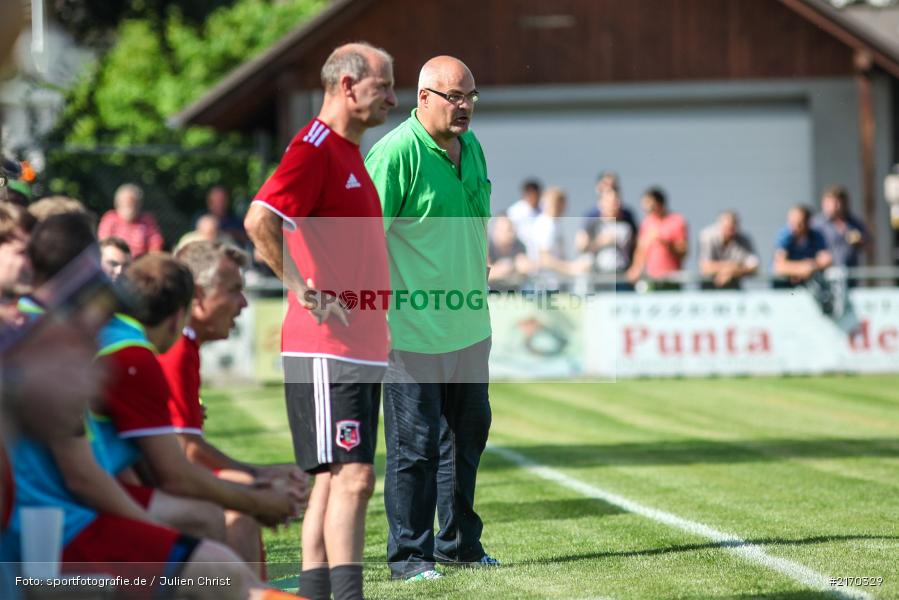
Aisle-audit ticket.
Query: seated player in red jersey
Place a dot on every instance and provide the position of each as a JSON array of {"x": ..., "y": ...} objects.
[
  {"x": 218, "y": 300},
  {"x": 135, "y": 399}
]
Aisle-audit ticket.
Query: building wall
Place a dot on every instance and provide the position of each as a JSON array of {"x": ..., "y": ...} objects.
[
  {"x": 810, "y": 126},
  {"x": 527, "y": 42}
]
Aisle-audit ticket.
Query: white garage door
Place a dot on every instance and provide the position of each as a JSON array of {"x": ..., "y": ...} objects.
[{"x": 754, "y": 158}]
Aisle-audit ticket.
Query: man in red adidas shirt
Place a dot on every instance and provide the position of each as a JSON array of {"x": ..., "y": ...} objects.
[
  {"x": 218, "y": 300},
  {"x": 316, "y": 222}
]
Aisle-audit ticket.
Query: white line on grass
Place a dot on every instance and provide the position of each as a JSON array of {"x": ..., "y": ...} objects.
[{"x": 727, "y": 541}]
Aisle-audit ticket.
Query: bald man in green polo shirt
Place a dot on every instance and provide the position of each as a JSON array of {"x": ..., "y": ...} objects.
[{"x": 432, "y": 179}]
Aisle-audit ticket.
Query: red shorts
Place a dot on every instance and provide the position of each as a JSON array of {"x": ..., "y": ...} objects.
[
  {"x": 119, "y": 546},
  {"x": 141, "y": 494}
]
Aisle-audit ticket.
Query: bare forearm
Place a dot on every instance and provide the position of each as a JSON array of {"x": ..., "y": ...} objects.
[
  {"x": 713, "y": 267},
  {"x": 793, "y": 268},
  {"x": 638, "y": 261},
  {"x": 178, "y": 476},
  {"x": 679, "y": 249},
  {"x": 268, "y": 239},
  {"x": 201, "y": 452},
  {"x": 548, "y": 261},
  {"x": 104, "y": 494},
  {"x": 265, "y": 230},
  {"x": 199, "y": 482},
  {"x": 90, "y": 483}
]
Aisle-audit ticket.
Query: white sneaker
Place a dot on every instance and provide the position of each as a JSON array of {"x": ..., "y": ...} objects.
[{"x": 424, "y": 575}]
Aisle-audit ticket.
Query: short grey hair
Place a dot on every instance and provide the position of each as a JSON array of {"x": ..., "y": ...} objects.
[
  {"x": 130, "y": 188},
  {"x": 349, "y": 59},
  {"x": 203, "y": 258}
]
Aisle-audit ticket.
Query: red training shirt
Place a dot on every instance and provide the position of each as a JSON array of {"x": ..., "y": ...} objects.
[
  {"x": 334, "y": 232},
  {"x": 181, "y": 365},
  {"x": 136, "y": 394}
]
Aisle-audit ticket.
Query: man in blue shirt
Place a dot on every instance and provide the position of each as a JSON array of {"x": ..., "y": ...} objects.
[
  {"x": 801, "y": 251},
  {"x": 845, "y": 235}
]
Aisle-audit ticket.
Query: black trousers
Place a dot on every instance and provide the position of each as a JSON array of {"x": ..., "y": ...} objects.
[{"x": 436, "y": 419}]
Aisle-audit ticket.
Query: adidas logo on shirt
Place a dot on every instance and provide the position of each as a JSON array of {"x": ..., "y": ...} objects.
[{"x": 352, "y": 182}]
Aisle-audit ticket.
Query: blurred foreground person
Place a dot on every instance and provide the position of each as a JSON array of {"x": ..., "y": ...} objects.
[
  {"x": 15, "y": 266},
  {"x": 49, "y": 377},
  {"x": 60, "y": 205}
]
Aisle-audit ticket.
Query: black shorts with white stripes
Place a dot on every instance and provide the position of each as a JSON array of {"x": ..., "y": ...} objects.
[{"x": 332, "y": 408}]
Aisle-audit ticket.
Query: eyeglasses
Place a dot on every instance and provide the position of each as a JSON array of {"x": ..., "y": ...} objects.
[{"x": 457, "y": 99}]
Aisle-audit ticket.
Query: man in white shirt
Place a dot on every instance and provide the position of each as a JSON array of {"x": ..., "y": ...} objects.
[{"x": 526, "y": 210}]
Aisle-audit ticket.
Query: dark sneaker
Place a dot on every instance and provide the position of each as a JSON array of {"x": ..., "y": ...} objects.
[{"x": 484, "y": 561}]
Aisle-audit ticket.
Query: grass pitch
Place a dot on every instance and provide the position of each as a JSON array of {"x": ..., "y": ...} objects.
[{"x": 805, "y": 469}]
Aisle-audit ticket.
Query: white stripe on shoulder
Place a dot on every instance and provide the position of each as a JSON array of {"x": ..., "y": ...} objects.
[
  {"x": 321, "y": 137},
  {"x": 313, "y": 131},
  {"x": 289, "y": 223}
]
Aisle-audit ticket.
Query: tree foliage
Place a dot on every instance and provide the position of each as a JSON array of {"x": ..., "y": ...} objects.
[
  {"x": 94, "y": 22},
  {"x": 113, "y": 128}
]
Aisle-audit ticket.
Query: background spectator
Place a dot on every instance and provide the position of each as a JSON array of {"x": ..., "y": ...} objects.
[
  {"x": 509, "y": 263},
  {"x": 801, "y": 251},
  {"x": 547, "y": 250},
  {"x": 661, "y": 243},
  {"x": 115, "y": 256},
  {"x": 609, "y": 238},
  {"x": 608, "y": 181},
  {"x": 525, "y": 211},
  {"x": 208, "y": 230},
  {"x": 844, "y": 235},
  {"x": 126, "y": 221},
  {"x": 218, "y": 204},
  {"x": 725, "y": 253}
]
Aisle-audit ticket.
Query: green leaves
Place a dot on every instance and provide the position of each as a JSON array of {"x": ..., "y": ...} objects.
[{"x": 113, "y": 128}]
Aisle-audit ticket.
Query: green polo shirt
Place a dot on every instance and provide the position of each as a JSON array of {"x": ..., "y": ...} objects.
[{"x": 435, "y": 218}]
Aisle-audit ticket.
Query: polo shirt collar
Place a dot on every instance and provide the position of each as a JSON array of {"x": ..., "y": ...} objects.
[{"x": 422, "y": 134}]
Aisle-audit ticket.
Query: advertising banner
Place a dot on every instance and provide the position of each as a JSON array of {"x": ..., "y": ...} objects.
[{"x": 762, "y": 332}]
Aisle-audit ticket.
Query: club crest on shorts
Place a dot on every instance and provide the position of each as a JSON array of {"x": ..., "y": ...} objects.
[{"x": 348, "y": 436}]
